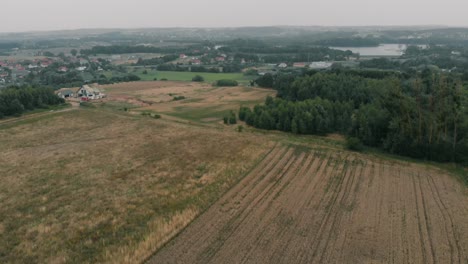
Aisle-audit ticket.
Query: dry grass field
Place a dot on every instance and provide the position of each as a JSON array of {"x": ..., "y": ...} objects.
[
  {"x": 96, "y": 185},
  {"x": 202, "y": 103},
  {"x": 314, "y": 206}
]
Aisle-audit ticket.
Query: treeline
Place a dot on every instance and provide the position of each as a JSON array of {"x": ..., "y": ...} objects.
[
  {"x": 312, "y": 116},
  {"x": 9, "y": 45},
  {"x": 421, "y": 116},
  {"x": 157, "y": 61},
  {"x": 249, "y": 46},
  {"x": 448, "y": 62},
  {"x": 193, "y": 68},
  {"x": 118, "y": 49},
  {"x": 349, "y": 42},
  {"x": 16, "y": 100},
  {"x": 226, "y": 68}
]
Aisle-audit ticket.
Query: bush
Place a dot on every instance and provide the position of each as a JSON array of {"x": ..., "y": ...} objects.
[
  {"x": 230, "y": 119},
  {"x": 354, "y": 144},
  {"x": 177, "y": 98},
  {"x": 198, "y": 78},
  {"x": 226, "y": 83}
]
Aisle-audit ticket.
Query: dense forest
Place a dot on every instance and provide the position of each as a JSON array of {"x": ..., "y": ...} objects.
[
  {"x": 16, "y": 100},
  {"x": 421, "y": 115}
]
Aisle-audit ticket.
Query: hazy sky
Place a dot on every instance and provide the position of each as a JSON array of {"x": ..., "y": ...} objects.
[{"x": 28, "y": 15}]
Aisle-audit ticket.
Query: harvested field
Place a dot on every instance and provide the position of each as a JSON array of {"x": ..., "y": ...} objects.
[{"x": 310, "y": 206}]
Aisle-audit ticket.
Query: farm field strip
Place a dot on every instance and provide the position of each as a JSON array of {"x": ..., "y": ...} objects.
[{"x": 340, "y": 207}]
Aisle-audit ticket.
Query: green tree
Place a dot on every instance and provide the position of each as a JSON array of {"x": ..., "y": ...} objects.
[{"x": 198, "y": 78}]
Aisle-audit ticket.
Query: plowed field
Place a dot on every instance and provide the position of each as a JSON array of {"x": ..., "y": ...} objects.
[{"x": 316, "y": 207}]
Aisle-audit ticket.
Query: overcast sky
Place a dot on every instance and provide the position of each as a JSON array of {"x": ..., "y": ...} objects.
[{"x": 30, "y": 15}]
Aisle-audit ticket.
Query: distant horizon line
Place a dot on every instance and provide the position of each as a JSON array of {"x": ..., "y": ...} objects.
[{"x": 427, "y": 26}]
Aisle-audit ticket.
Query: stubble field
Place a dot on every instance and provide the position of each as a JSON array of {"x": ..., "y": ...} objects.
[{"x": 315, "y": 206}]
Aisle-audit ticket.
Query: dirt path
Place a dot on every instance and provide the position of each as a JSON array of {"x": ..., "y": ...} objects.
[{"x": 298, "y": 207}]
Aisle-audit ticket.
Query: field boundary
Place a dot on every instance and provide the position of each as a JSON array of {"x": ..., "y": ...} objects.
[{"x": 257, "y": 162}]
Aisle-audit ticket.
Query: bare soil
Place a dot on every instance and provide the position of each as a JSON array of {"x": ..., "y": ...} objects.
[{"x": 317, "y": 207}]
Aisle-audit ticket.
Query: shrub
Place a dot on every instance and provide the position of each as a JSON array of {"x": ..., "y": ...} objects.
[
  {"x": 180, "y": 97},
  {"x": 226, "y": 83},
  {"x": 198, "y": 78},
  {"x": 230, "y": 119},
  {"x": 354, "y": 144}
]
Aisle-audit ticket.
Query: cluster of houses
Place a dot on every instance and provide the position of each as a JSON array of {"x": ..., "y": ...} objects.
[{"x": 84, "y": 93}]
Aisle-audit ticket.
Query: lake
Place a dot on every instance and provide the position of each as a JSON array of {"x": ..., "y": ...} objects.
[{"x": 394, "y": 50}]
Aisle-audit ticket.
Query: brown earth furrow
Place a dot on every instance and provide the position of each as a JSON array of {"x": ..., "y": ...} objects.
[
  {"x": 269, "y": 163},
  {"x": 327, "y": 223},
  {"x": 276, "y": 231},
  {"x": 222, "y": 226},
  {"x": 264, "y": 216},
  {"x": 421, "y": 221},
  {"x": 427, "y": 220},
  {"x": 257, "y": 175},
  {"x": 235, "y": 220},
  {"x": 348, "y": 238},
  {"x": 448, "y": 221},
  {"x": 332, "y": 239},
  {"x": 349, "y": 206},
  {"x": 293, "y": 206},
  {"x": 308, "y": 191},
  {"x": 316, "y": 207},
  {"x": 342, "y": 208}
]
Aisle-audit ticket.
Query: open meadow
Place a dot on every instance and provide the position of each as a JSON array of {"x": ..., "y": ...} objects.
[
  {"x": 96, "y": 185},
  {"x": 187, "y": 76},
  {"x": 106, "y": 184},
  {"x": 201, "y": 102}
]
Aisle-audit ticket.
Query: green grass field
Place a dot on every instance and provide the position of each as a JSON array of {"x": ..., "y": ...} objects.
[{"x": 187, "y": 76}]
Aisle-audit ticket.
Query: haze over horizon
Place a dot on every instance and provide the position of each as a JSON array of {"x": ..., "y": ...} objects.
[{"x": 44, "y": 15}]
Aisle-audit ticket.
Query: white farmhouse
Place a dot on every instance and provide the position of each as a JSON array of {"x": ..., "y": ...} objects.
[{"x": 91, "y": 93}]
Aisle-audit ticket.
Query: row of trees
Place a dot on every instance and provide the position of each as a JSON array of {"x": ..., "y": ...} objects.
[
  {"x": 120, "y": 49},
  {"x": 157, "y": 61},
  {"x": 16, "y": 100},
  {"x": 312, "y": 116},
  {"x": 424, "y": 116}
]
